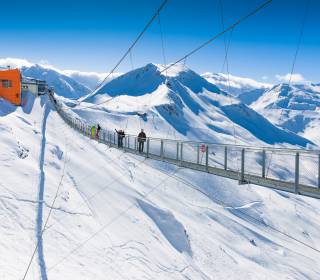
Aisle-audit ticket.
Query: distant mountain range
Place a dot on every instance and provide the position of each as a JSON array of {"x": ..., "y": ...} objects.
[
  {"x": 294, "y": 107},
  {"x": 205, "y": 107},
  {"x": 185, "y": 102}
]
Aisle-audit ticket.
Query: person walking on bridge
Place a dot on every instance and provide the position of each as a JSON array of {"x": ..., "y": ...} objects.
[
  {"x": 98, "y": 131},
  {"x": 121, "y": 135},
  {"x": 93, "y": 131},
  {"x": 141, "y": 139}
]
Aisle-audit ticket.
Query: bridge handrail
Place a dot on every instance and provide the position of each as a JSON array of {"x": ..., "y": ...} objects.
[{"x": 251, "y": 148}]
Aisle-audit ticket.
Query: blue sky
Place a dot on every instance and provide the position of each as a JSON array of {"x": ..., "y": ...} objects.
[{"x": 92, "y": 35}]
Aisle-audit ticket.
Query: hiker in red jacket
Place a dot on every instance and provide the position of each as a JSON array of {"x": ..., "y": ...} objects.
[{"x": 141, "y": 139}]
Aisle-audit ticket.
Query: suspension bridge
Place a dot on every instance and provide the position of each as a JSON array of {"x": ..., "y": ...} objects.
[{"x": 290, "y": 170}]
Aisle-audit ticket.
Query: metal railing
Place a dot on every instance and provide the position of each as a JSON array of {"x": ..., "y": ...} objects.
[{"x": 291, "y": 170}]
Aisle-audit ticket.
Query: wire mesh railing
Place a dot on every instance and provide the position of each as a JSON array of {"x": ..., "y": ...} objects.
[{"x": 291, "y": 170}]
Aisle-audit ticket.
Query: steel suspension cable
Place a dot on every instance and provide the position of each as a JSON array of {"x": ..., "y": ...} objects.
[
  {"x": 232, "y": 26},
  {"x": 304, "y": 19},
  {"x": 131, "y": 61},
  {"x": 300, "y": 39},
  {"x": 129, "y": 50},
  {"x": 162, "y": 44},
  {"x": 226, "y": 63}
]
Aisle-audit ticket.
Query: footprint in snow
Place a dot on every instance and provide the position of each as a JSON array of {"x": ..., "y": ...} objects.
[
  {"x": 22, "y": 151},
  {"x": 65, "y": 196}
]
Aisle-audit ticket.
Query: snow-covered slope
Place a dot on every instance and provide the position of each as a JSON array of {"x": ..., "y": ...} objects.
[
  {"x": 118, "y": 216},
  {"x": 184, "y": 105},
  {"x": 246, "y": 89},
  {"x": 294, "y": 107}
]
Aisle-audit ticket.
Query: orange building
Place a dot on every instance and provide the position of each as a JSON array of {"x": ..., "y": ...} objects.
[{"x": 10, "y": 85}]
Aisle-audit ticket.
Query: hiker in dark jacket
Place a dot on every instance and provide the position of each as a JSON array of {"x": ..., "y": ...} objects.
[
  {"x": 121, "y": 135},
  {"x": 98, "y": 131},
  {"x": 141, "y": 139}
]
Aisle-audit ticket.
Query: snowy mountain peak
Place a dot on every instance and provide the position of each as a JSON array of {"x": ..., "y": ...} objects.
[
  {"x": 148, "y": 78},
  {"x": 294, "y": 97},
  {"x": 293, "y": 107}
]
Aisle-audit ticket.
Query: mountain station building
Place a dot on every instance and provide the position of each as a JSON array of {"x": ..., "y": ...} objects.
[{"x": 13, "y": 87}]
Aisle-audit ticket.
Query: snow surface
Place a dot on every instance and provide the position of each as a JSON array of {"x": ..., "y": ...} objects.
[
  {"x": 154, "y": 220},
  {"x": 120, "y": 216}
]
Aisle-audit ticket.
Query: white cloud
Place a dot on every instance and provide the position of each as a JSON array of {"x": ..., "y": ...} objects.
[
  {"x": 89, "y": 79},
  {"x": 294, "y": 78},
  {"x": 234, "y": 81},
  {"x": 14, "y": 62}
]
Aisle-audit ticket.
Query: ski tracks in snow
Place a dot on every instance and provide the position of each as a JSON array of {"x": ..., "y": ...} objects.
[{"x": 41, "y": 186}]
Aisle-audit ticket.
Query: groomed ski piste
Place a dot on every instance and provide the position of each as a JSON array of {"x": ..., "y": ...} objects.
[{"x": 121, "y": 216}]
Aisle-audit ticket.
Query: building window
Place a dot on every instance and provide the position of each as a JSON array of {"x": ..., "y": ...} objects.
[{"x": 6, "y": 83}]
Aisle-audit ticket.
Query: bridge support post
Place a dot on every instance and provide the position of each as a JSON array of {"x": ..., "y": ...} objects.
[
  {"x": 296, "y": 181},
  {"x": 207, "y": 158},
  {"x": 125, "y": 143},
  {"x": 148, "y": 147},
  {"x": 263, "y": 164},
  {"x": 177, "y": 156},
  {"x": 242, "y": 181},
  {"x": 225, "y": 158},
  {"x": 198, "y": 154},
  {"x": 319, "y": 171},
  {"x": 161, "y": 149}
]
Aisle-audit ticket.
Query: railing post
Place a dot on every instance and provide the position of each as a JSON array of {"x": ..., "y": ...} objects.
[
  {"x": 161, "y": 149},
  {"x": 124, "y": 145},
  {"x": 242, "y": 166},
  {"x": 148, "y": 146},
  {"x": 296, "y": 181},
  {"x": 104, "y": 137},
  {"x": 319, "y": 171},
  {"x": 114, "y": 138},
  {"x": 225, "y": 157},
  {"x": 198, "y": 154},
  {"x": 177, "y": 151},
  {"x": 207, "y": 158},
  {"x": 181, "y": 153},
  {"x": 264, "y": 164}
]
